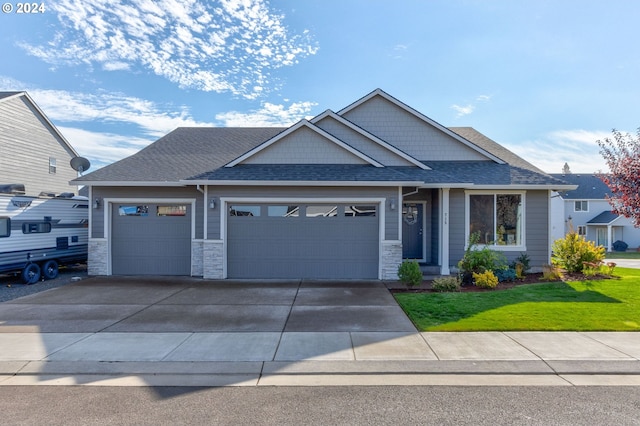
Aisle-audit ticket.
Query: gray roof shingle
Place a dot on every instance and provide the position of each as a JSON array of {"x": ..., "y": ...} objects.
[
  {"x": 199, "y": 153},
  {"x": 604, "y": 218},
  {"x": 185, "y": 152},
  {"x": 590, "y": 187}
]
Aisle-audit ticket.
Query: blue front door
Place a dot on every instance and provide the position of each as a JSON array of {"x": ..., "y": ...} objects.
[{"x": 412, "y": 231}]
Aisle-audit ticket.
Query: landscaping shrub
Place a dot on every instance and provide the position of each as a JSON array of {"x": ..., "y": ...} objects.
[
  {"x": 443, "y": 284},
  {"x": 485, "y": 279},
  {"x": 409, "y": 273},
  {"x": 480, "y": 260},
  {"x": 508, "y": 274},
  {"x": 551, "y": 273},
  {"x": 572, "y": 251},
  {"x": 521, "y": 264}
]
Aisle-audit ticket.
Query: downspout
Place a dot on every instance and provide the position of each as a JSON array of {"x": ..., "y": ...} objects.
[{"x": 410, "y": 193}]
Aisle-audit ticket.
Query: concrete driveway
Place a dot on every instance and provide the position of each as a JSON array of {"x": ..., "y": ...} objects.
[
  {"x": 166, "y": 331},
  {"x": 165, "y": 304}
]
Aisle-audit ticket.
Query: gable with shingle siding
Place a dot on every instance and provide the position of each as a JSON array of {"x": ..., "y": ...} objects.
[
  {"x": 362, "y": 143},
  {"x": 304, "y": 146},
  {"x": 409, "y": 133}
]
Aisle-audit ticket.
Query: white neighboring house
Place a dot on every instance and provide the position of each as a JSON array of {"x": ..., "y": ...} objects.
[
  {"x": 33, "y": 152},
  {"x": 587, "y": 210}
]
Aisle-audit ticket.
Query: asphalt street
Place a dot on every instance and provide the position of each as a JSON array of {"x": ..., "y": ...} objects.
[{"x": 379, "y": 405}]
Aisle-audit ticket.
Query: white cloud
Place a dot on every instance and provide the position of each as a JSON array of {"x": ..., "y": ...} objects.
[
  {"x": 578, "y": 148},
  {"x": 102, "y": 148},
  {"x": 463, "y": 110},
  {"x": 150, "y": 118},
  {"x": 268, "y": 115},
  {"x": 74, "y": 113},
  {"x": 226, "y": 46}
]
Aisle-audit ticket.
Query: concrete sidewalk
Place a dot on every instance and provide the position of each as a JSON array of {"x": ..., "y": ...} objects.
[
  {"x": 186, "y": 332},
  {"x": 320, "y": 358}
]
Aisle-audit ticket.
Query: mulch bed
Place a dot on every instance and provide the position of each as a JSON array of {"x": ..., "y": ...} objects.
[{"x": 535, "y": 278}]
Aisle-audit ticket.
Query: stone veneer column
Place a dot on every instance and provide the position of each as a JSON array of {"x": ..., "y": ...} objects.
[
  {"x": 196, "y": 258},
  {"x": 213, "y": 259},
  {"x": 98, "y": 256},
  {"x": 390, "y": 259}
]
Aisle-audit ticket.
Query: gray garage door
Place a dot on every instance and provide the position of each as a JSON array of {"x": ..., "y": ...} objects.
[
  {"x": 302, "y": 241},
  {"x": 151, "y": 239}
]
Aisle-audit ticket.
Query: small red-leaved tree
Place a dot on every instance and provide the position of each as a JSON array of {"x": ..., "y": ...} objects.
[{"x": 622, "y": 155}]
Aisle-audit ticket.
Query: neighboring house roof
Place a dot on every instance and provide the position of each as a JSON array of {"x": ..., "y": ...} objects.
[
  {"x": 607, "y": 217},
  {"x": 590, "y": 187},
  {"x": 240, "y": 155},
  {"x": 4, "y": 96}
]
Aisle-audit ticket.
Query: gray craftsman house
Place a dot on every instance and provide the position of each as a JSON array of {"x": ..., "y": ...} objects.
[{"x": 345, "y": 195}]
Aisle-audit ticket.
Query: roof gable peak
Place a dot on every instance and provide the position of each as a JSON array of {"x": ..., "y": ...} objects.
[
  {"x": 381, "y": 93},
  {"x": 308, "y": 125},
  {"x": 330, "y": 114}
]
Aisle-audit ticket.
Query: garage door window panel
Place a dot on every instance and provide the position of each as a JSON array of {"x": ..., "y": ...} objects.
[
  {"x": 131, "y": 210},
  {"x": 245, "y": 210},
  {"x": 283, "y": 211},
  {"x": 180, "y": 210},
  {"x": 361, "y": 210},
  {"x": 317, "y": 211}
]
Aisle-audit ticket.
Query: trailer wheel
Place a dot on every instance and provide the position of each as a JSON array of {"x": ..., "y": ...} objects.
[
  {"x": 31, "y": 273},
  {"x": 50, "y": 269}
]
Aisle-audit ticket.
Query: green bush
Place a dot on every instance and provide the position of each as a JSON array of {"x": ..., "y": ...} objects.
[
  {"x": 443, "y": 284},
  {"x": 486, "y": 279},
  {"x": 480, "y": 260},
  {"x": 409, "y": 273},
  {"x": 573, "y": 251}
]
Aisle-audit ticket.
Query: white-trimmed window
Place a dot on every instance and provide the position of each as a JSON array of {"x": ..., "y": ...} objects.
[
  {"x": 581, "y": 206},
  {"x": 52, "y": 165},
  {"x": 498, "y": 218},
  {"x": 582, "y": 230}
]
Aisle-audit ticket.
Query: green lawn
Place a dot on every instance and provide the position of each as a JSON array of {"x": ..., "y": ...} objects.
[
  {"x": 623, "y": 255},
  {"x": 597, "y": 305}
]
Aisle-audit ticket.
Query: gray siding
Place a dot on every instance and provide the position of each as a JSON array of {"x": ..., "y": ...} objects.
[
  {"x": 362, "y": 143},
  {"x": 409, "y": 133},
  {"x": 304, "y": 146},
  {"x": 536, "y": 228},
  {"x": 159, "y": 193},
  {"x": 27, "y": 142},
  {"x": 456, "y": 226},
  {"x": 391, "y": 216}
]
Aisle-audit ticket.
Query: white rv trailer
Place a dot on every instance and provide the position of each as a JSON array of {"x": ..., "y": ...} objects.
[{"x": 39, "y": 234}]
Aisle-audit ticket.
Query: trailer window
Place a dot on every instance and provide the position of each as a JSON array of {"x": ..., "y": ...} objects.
[
  {"x": 36, "y": 228},
  {"x": 5, "y": 227}
]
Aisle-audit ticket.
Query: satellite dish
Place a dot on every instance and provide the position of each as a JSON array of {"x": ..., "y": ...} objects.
[{"x": 80, "y": 164}]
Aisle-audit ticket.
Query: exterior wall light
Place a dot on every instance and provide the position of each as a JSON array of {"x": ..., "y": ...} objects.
[
  {"x": 96, "y": 203},
  {"x": 212, "y": 203},
  {"x": 392, "y": 204}
]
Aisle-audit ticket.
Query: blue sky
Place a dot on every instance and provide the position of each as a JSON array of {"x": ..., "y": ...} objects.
[{"x": 544, "y": 78}]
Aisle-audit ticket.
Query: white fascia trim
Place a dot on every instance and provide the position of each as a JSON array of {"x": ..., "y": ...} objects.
[
  {"x": 370, "y": 136},
  {"x": 379, "y": 92},
  {"x": 310, "y": 126},
  {"x": 301, "y": 183},
  {"x": 516, "y": 187},
  {"x": 131, "y": 183}
]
